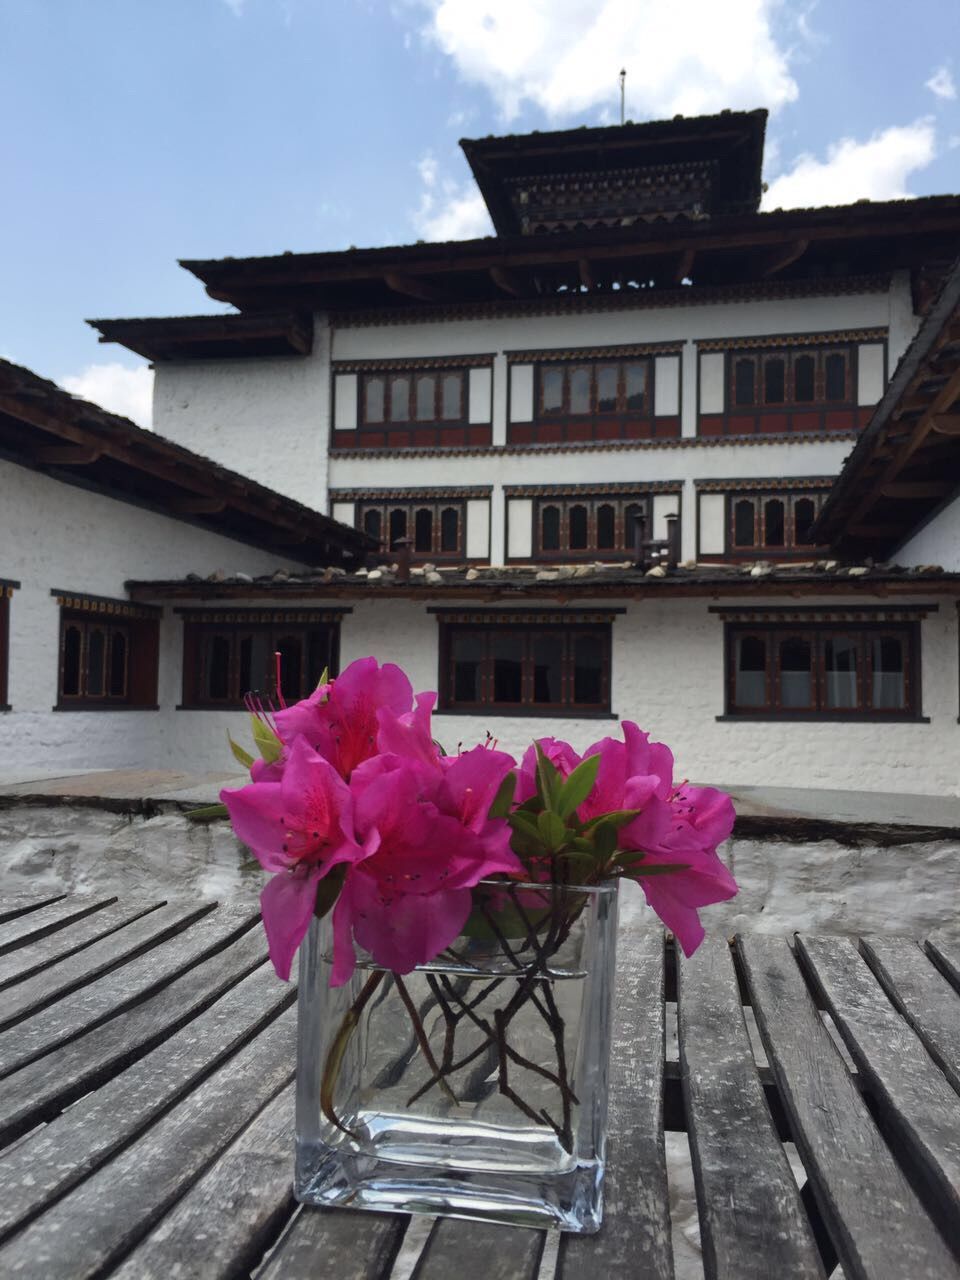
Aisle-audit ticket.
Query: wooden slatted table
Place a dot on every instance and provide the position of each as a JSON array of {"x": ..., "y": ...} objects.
[{"x": 146, "y": 1110}]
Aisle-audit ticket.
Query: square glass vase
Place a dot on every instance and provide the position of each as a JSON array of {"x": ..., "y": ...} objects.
[{"x": 475, "y": 1086}]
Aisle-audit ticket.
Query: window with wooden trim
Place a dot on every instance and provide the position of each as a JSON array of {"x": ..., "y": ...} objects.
[
  {"x": 107, "y": 661},
  {"x": 800, "y": 376},
  {"x": 613, "y": 387},
  {"x": 527, "y": 668},
  {"x": 432, "y": 397},
  {"x": 824, "y": 670},
  {"x": 433, "y": 528},
  {"x": 594, "y": 526},
  {"x": 228, "y": 655},
  {"x": 777, "y": 523},
  {"x": 5, "y": 593}
]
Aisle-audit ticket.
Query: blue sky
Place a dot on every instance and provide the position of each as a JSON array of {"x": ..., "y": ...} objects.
[{"x": 142, "y": 131}]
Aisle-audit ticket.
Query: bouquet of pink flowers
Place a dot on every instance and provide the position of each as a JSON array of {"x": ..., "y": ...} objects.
[{"x": 355, "y": 808}]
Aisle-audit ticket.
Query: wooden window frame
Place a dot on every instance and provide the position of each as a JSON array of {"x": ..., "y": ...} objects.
[
  {"x": 819, "y": 633},
  {"x": 618, "y": 420},
  {"x": 234, "y": 626},
  {"x": 141, "y": 634},
  {"x": 411, "y": 422},
  {"x": 437, "y": 504},
  {"x": 758, "y": 549},
  {"x": 566, "y": 631},
  {"x": 6, "y": 591},
  {"x": 623, "y": 548}
]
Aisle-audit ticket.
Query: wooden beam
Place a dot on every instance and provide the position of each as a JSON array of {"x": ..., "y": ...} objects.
[
  {"x": 916, "y": 489},
  {"x": 782, "y": 257},
  {"x": 946, "y": 424},
  {"x": 684, "y": 268},
  {"x": 199, "y": 506},
  {"x": 587, "y": 278},
  {"x": 68, "y": 456},
  {"x": 507, "y": 280},
  {"x": 873, "y": 531},
  {"x": 413, "y": 287}
]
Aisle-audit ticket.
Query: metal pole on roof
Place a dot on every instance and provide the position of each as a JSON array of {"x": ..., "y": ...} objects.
[{"x": 623, "y": 80}]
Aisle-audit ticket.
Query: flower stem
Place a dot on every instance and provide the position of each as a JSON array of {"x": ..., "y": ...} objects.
[
  {"x": 422, "y": 1038},
  {"x": 334, "y": 1062}
]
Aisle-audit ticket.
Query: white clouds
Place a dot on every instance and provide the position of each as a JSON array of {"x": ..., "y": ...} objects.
[
  {"x": 689, "y": 56},
  {"x": 447, "y": 209},
  {"x": 941, "y": 84},
  {"x": 874, "y": 170},
  {"x": 115, "y": 387},
  {"x": 235, "y": 7}
]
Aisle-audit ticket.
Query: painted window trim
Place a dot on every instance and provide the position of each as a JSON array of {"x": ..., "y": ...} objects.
[
  {"x": 7, "y": 588},
  {"x": 138, "y": 625},
  {"x": 437, "y": 422},
  {"x": 436, "y": 504}
]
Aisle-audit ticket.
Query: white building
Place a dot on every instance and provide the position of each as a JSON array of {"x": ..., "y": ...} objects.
[{"x": 637, "y": 341}]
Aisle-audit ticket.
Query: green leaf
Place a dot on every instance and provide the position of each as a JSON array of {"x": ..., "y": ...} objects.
[
  {"x": 605, "y": 841},
  {"x": 503, "y": 800},
  {"x": 245, "y": 758},
  {"x": 548, "y": 779},
  {"x": 208, "y": 813},
  {"x": 616, "y": 817},
  {"x": 641, "y": 870},
  {"x": 578, "y": 786},
  {"x": 267, "y": 742},
  {"x": 578, "y": 856},
  {"x": 553, "y": 833},
  {"x": 525, "y": 823},
  {"x": 324, "y": 678}
]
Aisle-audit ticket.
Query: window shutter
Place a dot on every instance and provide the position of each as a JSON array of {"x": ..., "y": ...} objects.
[
  {"x": 666, "y": 386},
  {"x": 521, "y": 393},
  {"x": 480, "y": 395},
  {"x": 711, "y": 382},
  {"x": 345, "y": 402}
]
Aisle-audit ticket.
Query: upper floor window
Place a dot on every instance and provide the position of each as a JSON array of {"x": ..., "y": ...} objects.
[
  {"x": 433, "y": 528},
  {"x": 6, "y": 591},
  {"x": 412, "y": 396},
  {"x": 779, "y": 522},
  {"x": 823, "y": 670},
  {"x": 592, "y": 526},
  {"x": 791, "y": 377},
  {"x": 229, "y": 654},
  {"x": 598, "y": 387},
  {"x": 108, "y": 655}
]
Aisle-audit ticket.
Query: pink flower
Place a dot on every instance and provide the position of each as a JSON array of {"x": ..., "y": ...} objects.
[
  {"x": 560, "y": 754},
  {"x": 409, "y": 735},
  {"x": 339, "y": 720},
  {"x": 299, "y": 827}
]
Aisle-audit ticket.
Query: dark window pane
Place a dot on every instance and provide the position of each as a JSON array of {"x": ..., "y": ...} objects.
[
  {"x": 258, "y": 664},
  {"x": 804, "y": 514},
  {"x": 466, "y": 653},
  {"x": 578, "y": 528},
  {"x": 71, "y": 661},
  {"x": 399, "y": 399},
  {"x": 118, "y": 665},
  {"x": 550, "y": 529},
  {"x": 635, "y": 377},
  {"x": 774, "y": 380},
  {"x": 371, "y": 523},
  {"x": 449, "y": 529},
  {"x": 796, "y": 678},
  {"x": 840, "y": 666},
  {"x": 579, "y": 390},
  {"x": 547, "y": 667},
  {"x": 835, "y": 376},
  {"x": 743, "y": 523},
  {"x": 426, "y": 398},
  {"x": 451, "y": 388},
  {"x": 607, "y": 375},
  {"x": 606, "y": 527},
  {"x": 373, "y": 394},
  {"x": 744, "y": 386},
  {"x": 319, "y": 656},
  {"x": 507, "y": 652},
  {"x": 804, "y": 368},
  {"x": 634, "y": 515},
  {"x": 216, "y": 668},
  {"x": 398, "y": 527},
  {"x": 588, "y": 651},
  {"x": 290, "y": 649},
  {"x": 773, "y": 523},
  {"x": 423, "y": 530},
  {"x": 96, "y": 661},
  {"x": 889, "y": 691},
  {"x": 552, "y": 382},
  {"x": 750, "y": 672}
]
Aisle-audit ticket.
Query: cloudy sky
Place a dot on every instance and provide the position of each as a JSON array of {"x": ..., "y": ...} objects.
[{"x": 140, "y": 131}]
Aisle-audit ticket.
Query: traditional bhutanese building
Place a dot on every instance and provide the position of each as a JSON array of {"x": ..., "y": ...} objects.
[{"x": 595, "y": 452}]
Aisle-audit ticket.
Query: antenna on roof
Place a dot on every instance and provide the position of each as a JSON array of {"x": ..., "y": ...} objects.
[{"x": 623, "y": 81}]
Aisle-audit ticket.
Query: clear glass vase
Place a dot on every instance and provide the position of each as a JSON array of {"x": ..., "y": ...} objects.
[{"x": 475, "y": 1086}]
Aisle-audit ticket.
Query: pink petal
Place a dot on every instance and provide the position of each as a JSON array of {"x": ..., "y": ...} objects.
[
  {"x": 256, "y": 813},
  {"x": 287, "y": 904},
  {"x": 410, "y": 735},
  {"x": 470, "y": 784},
  {"x": 406, "y": 929}
]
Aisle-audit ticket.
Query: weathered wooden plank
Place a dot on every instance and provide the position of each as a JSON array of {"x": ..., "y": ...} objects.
[
  {"x": 18, "y": 965},
  {"x": 57, "y": 1155},
  {"x": 101, "y": 957},
  {"x": 108, "y": 995},
  {"x": 917, "y": 1099},
  {"x": 98, "y": 1223},
  {"x": 923, "y": 995},
  {"x": 223, "y": 1224},
  {"x": 352, "y": 1248},
  {"x": 880, "y": 1230},
  {"x": 42, "y": 1088},
  {"x": 502, "y": 1253},
  {"x": 635, "y": 1236},
  {"x": 944, "y": 949},
  {"x": 19, "y": 904},
  {"x": 57, "y": 915},
  {"x": 752, "y": 1222}
]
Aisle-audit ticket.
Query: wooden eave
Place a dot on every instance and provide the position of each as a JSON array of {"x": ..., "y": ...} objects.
[
  {"x": 794, "y": 245},
  {"x": 906, "y": 465},
  {"x": 48, "y": 430},
  {"x": 211, "y": 337}
]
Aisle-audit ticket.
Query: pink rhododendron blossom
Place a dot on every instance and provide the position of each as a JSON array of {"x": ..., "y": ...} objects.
[
  {"x": 339, "y": 720},
  {"x": 560, "y": 754},
  {"x": 299, "y": 827},
  {"x": 409, "y": 735}
]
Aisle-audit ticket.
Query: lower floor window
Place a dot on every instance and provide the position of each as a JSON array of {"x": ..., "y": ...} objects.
[
  {"x": 229, "y": 655},
  {"x": 432, "y": 529},
  {"x": 6, "y": 590},
  {"x": 525, "y": 667},
  {"x": 109, "y": 654},
  {"x": 825, "y": 670}
]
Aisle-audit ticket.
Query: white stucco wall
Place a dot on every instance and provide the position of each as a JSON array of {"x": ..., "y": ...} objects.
[
  {"x": 938, "y": 542},
  {"x": 668, "y": 676},
  {"x": 55, "y": 535}
]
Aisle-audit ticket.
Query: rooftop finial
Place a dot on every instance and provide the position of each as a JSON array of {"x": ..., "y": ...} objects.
[{"x": 623, "y": 81}]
